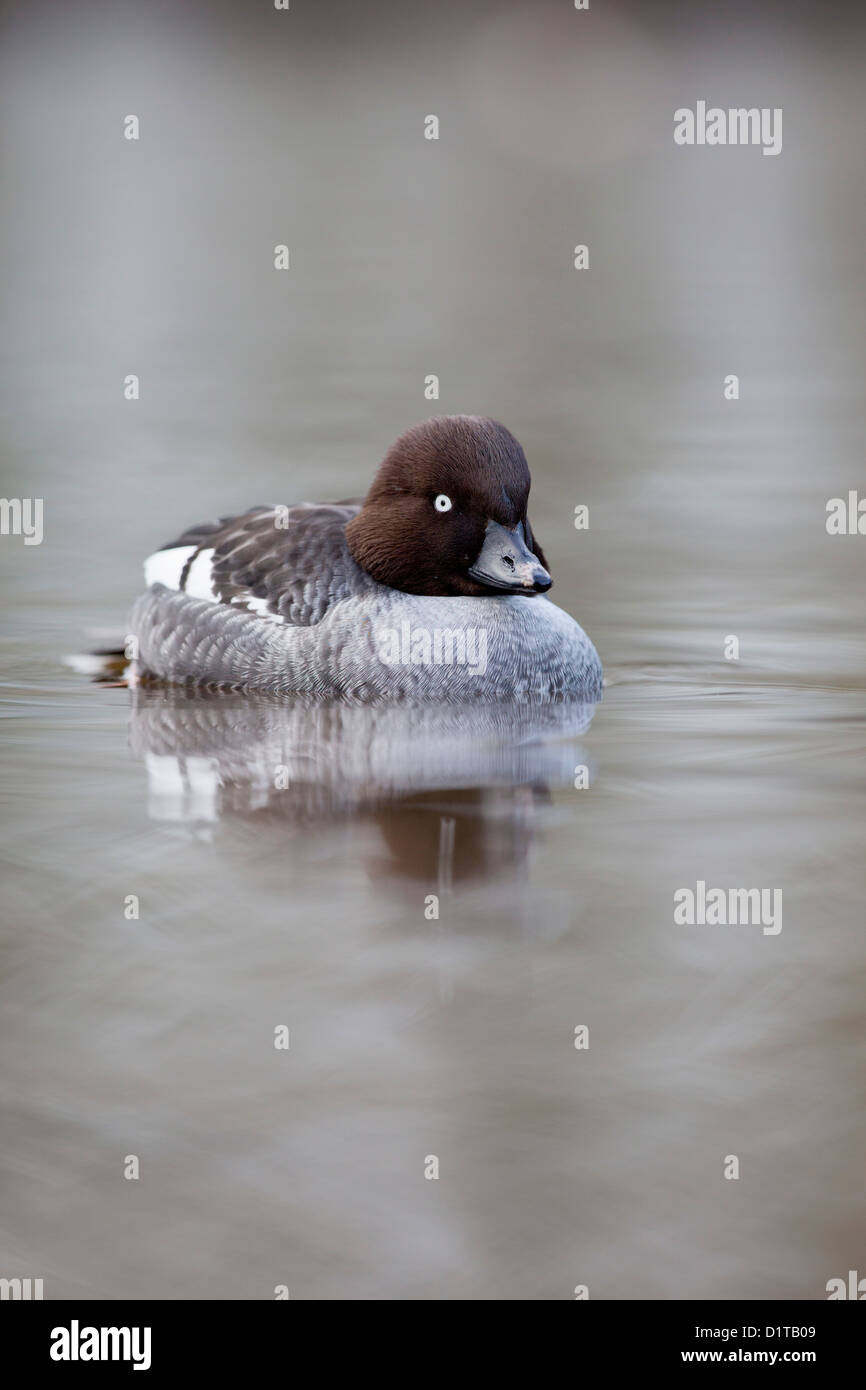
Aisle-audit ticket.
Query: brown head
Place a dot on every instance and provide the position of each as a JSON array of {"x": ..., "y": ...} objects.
[{"x": 447, "y": 513}]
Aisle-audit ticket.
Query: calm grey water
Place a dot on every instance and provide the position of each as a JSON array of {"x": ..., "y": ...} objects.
[{"x": 306, "y": 907}]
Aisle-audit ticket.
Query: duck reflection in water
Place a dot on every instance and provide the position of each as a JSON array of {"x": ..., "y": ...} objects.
[{"x": 457, "y": 792}]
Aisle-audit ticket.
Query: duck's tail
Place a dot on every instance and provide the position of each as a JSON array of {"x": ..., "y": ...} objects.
[{"x": 104, "y": 666}]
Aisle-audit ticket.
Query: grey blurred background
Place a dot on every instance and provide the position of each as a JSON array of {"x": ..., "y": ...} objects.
[{"x": 707, "y": 518}]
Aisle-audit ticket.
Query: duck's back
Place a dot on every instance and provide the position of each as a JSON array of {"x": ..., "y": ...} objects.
[{"x": 287, "y": 563}]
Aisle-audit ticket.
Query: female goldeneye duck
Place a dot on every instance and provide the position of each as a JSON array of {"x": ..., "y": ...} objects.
[{"x": 419, "y": 590}]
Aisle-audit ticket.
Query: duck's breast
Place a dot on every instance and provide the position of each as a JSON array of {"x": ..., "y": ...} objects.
[{"x": 458, "y": 648}]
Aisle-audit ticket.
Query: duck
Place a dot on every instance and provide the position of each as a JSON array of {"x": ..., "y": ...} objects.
[{"x": 433, "y": 587}]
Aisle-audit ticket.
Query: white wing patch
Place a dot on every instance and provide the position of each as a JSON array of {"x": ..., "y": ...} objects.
[
  {"x": 259, "y": 606},
  {"x": 166, "y": 566},
  {"x": 199, "y": 581}
]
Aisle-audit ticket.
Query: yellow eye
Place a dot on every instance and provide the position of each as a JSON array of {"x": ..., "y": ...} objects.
[{"x": 442, "y": 503}]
